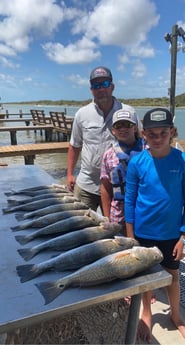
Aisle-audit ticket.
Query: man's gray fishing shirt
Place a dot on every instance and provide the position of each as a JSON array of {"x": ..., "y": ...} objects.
[{"x": 92, "y": 133}]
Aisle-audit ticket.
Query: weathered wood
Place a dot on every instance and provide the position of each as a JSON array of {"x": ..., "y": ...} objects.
[
  {"x": 61, "y": 124},
  {"x": 39, "y": 117},
  {"x": 20, "y": 114},
  {"x": 29, "y": 151},
  {"x": 26, "y": 120},
  {"x": 13, "y": 131}
]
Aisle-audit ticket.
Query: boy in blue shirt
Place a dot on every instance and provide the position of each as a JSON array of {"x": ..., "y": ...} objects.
[{"x": 154, "y": 206}]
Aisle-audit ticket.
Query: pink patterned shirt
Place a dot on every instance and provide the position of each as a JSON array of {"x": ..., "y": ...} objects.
[{"x": 109, "y": 162}]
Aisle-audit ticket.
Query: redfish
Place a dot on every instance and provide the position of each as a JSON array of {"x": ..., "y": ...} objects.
[
  {"x": 120, "y": 265},
  {"x": 76, "y": 258},
  {"x": 73, "y": 239}
]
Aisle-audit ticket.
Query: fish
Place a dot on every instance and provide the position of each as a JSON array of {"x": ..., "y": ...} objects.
[
  {"x": 38, "y": 197},
  {"x": 38, "y": 189},
  {"x": 73, "y": 239},
  {"x": 48, "y": 219},
  {"x": 33, "y": 193},
  {"x": 60, "y": 227},
  {"x": 76, "y": 258},
  {"x": 76, "y": 205},
  {"x": 35, "y": 205},
  {"x": 120, "y": 265}
]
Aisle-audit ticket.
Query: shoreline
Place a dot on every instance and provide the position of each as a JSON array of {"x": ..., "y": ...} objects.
[{"x": 180, "y": 141}]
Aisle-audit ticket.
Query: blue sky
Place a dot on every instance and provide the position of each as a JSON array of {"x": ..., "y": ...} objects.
[{"x": 48, "y": 48}]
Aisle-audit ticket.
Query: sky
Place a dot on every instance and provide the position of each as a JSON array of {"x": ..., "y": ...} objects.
[{"x": 48, "y": 48}]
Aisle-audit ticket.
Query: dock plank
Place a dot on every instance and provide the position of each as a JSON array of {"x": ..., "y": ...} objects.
[
  {"x": 29, "y": 151},
  {"x": 13, "y": 131}
]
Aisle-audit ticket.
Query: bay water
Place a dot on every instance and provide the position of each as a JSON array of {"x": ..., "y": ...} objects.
[{"x": 55, "y": 164}]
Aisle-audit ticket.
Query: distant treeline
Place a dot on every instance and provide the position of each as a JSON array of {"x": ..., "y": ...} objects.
[{"x": 139, "y": 102}]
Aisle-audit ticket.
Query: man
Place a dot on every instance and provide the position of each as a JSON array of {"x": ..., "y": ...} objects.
[{"x": 91, "y": 136}]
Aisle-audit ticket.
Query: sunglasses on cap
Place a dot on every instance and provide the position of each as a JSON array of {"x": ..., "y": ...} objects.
[
  {"x": 97, "y": 85},
  {"x": 123, "y": 124}
]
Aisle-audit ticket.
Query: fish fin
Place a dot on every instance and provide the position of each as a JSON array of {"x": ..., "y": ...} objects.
[
  {"x": 16, "y": 228},
  {"x": 7, "y": 210},
  {"x": 27, "y": 272},
  {"x": 19, "y": 216},
  {"x": 21, "y": 239},
  {"x": 26, "y": 253},
  {"x": 9, "y": 193},
  {"x": 13, "y": 202},
  {"x": 50, "y": 290}
]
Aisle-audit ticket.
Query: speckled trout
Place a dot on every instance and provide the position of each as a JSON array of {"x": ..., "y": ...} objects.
[
  {"x": 35, "y": 205},
  {"x": 50, "y": 218},
  {"x": 51, "y": 209},
  {"x": 120, "y": 265},
  {"x": 73, "y": 239},
  {"x": 38, "y": 189},
  {"x": 76, "y": 258},
  {"x": 38, "y": 197},
  {"x": 62, "y": 226}
]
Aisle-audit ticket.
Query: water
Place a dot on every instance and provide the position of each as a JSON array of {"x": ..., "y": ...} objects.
[
  {"x": 55, "y": 164},
  {"x": 179, "y": 120}
]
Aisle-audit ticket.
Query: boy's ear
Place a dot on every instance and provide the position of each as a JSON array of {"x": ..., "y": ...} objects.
[
  {"x": 143, "y": 134},
  {"x": 113, "y": 131}
]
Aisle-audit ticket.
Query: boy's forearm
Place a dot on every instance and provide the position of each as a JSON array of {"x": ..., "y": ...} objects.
[
  {"x": 106, "y": 198},
  {"x": 130, "y": 230}
]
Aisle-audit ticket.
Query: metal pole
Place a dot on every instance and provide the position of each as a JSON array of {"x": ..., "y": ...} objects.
[{"x": 173, "y": 68}]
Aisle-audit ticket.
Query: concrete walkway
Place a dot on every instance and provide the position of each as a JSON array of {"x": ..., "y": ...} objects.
[{"x": 163, "y": 330}]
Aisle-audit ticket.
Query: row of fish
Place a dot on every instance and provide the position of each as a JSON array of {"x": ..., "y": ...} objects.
[
  {"x": 120, "y": 265},
  {"x": 87, "y": 242}
]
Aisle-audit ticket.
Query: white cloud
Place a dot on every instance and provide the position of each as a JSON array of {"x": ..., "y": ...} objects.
[
  {"x": 119, "y": 23},
  {"x": 22, "y": 20},
  {"x": 78, "y": 80},
  {"x": 106, "y": 22},
  {"x": 7, "y": 63},
  {"x": 82, "y": 51},
  {"x": 139, "y": 70}
]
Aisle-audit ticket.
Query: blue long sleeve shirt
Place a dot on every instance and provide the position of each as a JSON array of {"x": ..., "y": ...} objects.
[{"x": 155, "y": 195}]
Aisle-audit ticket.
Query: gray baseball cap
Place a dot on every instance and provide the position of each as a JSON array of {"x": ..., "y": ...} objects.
[
  {"x": 100, "y": 72},
  {"x": 124, "y": 115}
]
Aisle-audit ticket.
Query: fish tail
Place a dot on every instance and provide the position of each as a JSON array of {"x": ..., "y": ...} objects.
[
  {"x": 7, "y": 210},
  {"x": 22, "y": 239},
  {"x": 9, "y": 193},
  {"x": 27, "y": 253},
  {"x": 16, "y": 228},
  {"x": 27, "y": 272},
  {"x": 13, "y": 202},
  {"x": 19, "y": 216},
  {"x": 50, "y": 290}
]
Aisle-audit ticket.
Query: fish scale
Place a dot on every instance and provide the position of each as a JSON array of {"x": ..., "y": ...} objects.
[
  {"x": 76, "y": 258},
  {"x": 72, "y": 239},
  {"x": 120, "y": 265},
  {"x": 60, "y": 227}
]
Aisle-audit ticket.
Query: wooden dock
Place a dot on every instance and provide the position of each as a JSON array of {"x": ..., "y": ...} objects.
[
  {"x": 29, "y": 151},
  {"x": 13, "y": 131},
  {"x": 17, "y": 119}
]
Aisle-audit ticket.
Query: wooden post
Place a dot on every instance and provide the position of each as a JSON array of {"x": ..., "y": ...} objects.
[
  {"x": 13, "y": 137},
  {"x": 28, "y": 160}
]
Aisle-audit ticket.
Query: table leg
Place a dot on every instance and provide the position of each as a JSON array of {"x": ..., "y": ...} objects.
[{"x": 133, "y": 319}]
